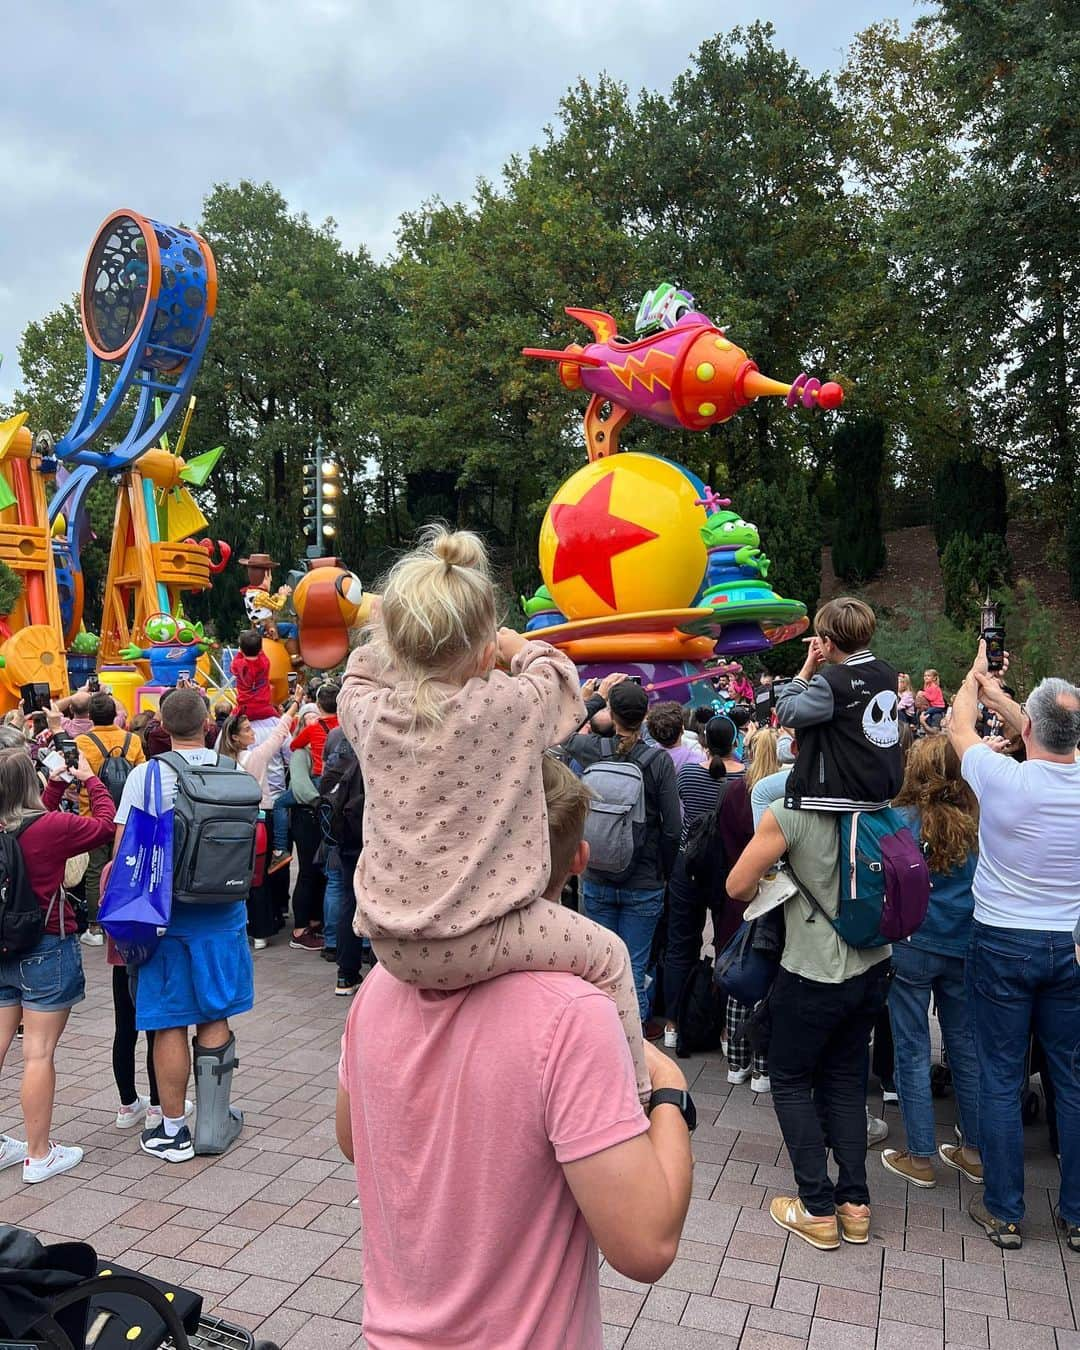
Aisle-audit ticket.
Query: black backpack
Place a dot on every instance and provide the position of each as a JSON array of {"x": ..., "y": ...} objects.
[
  {"x": 701, "y": 1011},
  {"x": 214, "y": 818},
  {"x": 115, "y": 766},
  {"x": 703, "y": 854},
  {"x": 340, "y": 808},
  {"x": 22, "y": 923}
]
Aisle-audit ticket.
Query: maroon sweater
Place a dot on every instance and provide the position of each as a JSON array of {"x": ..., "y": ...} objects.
[{"x": 50, "y": 840}]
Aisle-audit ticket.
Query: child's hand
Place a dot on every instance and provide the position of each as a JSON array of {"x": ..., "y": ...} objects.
[{"x": 509, "y": 643}]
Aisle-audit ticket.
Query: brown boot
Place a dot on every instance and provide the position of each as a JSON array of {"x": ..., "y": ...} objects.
[
  {"x": 854, "y": 1227},
  {"x": 788, "y": 1212},
  {"x": 916, "y": 1170}
]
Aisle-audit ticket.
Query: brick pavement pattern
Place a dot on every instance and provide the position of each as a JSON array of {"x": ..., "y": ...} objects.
[{"x": 268, "y": 1236}]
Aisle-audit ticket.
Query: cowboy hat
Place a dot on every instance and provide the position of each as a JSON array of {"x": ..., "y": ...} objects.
[{"x": 263, "y": 560}]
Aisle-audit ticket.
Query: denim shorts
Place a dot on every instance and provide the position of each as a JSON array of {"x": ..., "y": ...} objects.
[{"x": 47, "y": 979}]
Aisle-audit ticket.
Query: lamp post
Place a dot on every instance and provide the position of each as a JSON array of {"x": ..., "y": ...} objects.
[{"x": 320, "y": 491}]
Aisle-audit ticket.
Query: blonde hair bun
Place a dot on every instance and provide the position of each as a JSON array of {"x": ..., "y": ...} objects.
[
  {"x": 455, "y": 548},
  {"x": 437, "y": 613}
]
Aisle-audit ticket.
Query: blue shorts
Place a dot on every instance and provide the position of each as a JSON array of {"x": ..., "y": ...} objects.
[
  {"x": 201, "y": 971},
  {"x": 47, "y": 979}
]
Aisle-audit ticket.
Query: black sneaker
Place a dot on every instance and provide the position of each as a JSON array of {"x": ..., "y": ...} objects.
[
  {"x": 347, "y": 985},
  {"x": 329, "y": 954},
  {"x": 1070, "y": 1231},
  {"x": 158, "y": 1144}
]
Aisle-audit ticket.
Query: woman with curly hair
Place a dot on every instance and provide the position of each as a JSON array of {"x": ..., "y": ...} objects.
[{"x": 943, "y": 814}]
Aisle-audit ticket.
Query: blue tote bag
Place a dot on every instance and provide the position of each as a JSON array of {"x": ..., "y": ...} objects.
[{"x": 137, "y": 904}]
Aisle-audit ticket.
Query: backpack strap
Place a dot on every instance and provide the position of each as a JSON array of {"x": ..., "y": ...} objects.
[
  {"x": 809, "y": 895},
  {"x": 104, "y": 753}
]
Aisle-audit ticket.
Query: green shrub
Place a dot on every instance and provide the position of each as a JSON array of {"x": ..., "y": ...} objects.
[
  {"x": 10, "y": 589},
  {"x": 1072, "y": 546},
  {"x": 970, "y": 497},
  {"x": 970, "y": 568}
]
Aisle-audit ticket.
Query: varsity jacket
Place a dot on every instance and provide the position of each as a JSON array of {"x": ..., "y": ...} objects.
[{"x": 847, "y": 731}]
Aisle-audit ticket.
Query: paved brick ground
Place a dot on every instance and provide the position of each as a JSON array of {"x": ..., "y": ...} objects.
[{"x": 268, "y": 1235}]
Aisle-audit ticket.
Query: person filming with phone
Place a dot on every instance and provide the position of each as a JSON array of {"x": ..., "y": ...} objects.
[
  {"x": 1021, "y": 964},
  {"x": 41, "y": 975}
]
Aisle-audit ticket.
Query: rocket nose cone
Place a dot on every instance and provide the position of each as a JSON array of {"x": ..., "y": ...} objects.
[{"x": 830, "y": 395}]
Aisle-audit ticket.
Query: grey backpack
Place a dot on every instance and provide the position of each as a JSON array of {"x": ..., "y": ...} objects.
[
  {"x": 214, "y": 823},
  {"x": 615, "y": 825}
]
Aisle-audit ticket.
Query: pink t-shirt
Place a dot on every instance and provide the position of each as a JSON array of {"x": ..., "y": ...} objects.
[{"x": 471, "y": 1235}]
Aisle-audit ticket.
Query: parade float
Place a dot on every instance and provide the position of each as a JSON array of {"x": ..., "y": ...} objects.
[
  {"x": 645, "y": 568},
  {"x": 147, "y": 302}
]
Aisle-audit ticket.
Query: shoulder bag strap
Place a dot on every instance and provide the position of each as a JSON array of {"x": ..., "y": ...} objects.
[{"x": 808, "y": 893}]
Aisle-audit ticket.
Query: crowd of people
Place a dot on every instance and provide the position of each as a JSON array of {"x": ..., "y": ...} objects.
[{"x": 534, "y": 906}]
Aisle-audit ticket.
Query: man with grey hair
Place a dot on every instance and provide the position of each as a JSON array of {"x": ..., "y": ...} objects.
[{"x": 1021, "y": 966}]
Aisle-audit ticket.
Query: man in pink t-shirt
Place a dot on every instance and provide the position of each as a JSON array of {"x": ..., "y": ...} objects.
[{"x": 498, "y": 1140}]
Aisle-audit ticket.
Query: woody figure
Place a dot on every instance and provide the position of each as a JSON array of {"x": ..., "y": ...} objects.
[{"x": 261, "y": 604}]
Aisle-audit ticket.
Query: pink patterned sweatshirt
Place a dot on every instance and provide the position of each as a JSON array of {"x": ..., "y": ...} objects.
[{"x": 455, "y": 824}]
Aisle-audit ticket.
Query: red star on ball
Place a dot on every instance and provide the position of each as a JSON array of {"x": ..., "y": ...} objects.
[{"x": 590, "y": 536}]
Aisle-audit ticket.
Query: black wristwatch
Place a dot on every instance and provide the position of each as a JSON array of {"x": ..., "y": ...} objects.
[{"x": 673, "y": 1097}]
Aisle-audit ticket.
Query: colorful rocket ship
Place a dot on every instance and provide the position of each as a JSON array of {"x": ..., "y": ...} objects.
[{"x": 687, "y": 375}]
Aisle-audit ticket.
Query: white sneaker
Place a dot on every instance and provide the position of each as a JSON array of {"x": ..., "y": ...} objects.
[
  {"x": 738, "y": 1075},
  {"x": 671, "y": 1038},
  {"x": 876, "y": 1129},
  {"x": 92, "y": 939},
  {"x": 12, "y": 1151},
  {"x": 760, "y": 1083},
  {"x": 58, "y": 1159},
  {"x": 154, "y": 1114},
  {"x": 129, "y": 1116},
  {"x": 889, "y": 1095},
  {"x": 259, "y": 944}
]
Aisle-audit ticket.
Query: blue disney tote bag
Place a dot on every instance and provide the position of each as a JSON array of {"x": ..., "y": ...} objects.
[{"x": 137, "y": 904}]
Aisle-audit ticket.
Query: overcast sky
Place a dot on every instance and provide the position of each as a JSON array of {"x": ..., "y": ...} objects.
[{"x": 353, "y": 109}]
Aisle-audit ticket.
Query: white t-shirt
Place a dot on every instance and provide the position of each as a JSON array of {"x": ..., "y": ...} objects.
[
  {"x": 1028, "y": 873},
  {"x": 135, "y": 784}
]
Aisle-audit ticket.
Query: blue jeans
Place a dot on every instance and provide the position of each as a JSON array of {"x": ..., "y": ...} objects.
[
  {"x": 333, "y": 901},
  {"x": 280, "y": 842},
  {"x": 917, "y": 975},
  {"x": 1020, "y": 979},
  {"x": 634, "y": 916}
]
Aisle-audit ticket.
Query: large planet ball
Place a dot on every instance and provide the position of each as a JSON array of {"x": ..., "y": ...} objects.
[{"x": 622, "y": 536}]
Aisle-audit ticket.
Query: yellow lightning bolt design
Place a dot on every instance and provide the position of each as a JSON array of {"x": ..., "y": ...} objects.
[{"x": 656, "y": 369}]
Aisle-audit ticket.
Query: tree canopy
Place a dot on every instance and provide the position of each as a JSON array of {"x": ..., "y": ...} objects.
[{"x": 907, "y": 225}]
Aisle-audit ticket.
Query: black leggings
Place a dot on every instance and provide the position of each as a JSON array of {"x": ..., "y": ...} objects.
[{"x": 124, "y": 1039}]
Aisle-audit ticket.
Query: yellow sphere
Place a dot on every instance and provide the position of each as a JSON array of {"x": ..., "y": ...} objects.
[
  {"x": 706, "y": 371},
  {"x": 622, "y": 536}
]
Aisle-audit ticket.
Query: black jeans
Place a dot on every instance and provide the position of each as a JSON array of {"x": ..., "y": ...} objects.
[
  {"x": 350, "y": 948},
  {"x": 686, "y": 910},
  {"x": 307, "y": 897},
  {"x": 817, "y": 1068},
  {"x": 125, "y": 1038}
]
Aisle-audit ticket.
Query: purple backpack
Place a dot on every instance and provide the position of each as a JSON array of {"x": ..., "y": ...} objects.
[{"x": 884, "y": 879}]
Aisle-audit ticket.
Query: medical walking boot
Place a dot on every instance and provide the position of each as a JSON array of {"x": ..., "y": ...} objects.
[{"x": 216, "y": 1122}]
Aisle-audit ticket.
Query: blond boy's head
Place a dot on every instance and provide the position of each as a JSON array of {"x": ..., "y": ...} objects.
[{"x": 567, "y": 806}]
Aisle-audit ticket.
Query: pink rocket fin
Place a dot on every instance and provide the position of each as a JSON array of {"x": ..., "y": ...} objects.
[
  {"x": 602, "y": 326},
  {"x": 573, "y": 358}
]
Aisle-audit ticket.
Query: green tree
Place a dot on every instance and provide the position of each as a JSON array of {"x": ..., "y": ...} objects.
[
  {"x": 790, "y": 527},
  {"x": 969, "y": 569},
  {"x": 858, "y": 550},
  {"x": 970, "y": 497}
]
